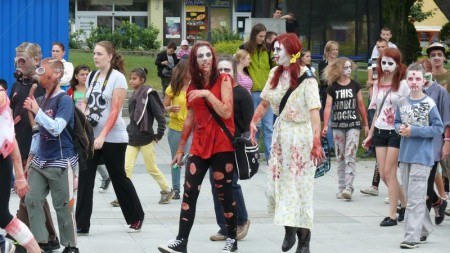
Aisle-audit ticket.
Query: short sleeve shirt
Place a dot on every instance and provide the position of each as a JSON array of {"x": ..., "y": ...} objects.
[
  {"x": 177, "y": 118},
  {"x": 345, "y": 105}
]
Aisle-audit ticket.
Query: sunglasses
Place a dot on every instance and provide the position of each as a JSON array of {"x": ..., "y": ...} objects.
[
  {"x": 227, "y": 70},
  {"x": 388, "y": 63}
]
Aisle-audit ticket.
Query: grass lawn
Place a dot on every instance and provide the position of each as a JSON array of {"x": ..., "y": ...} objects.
[{"x": 131, "y": 61}]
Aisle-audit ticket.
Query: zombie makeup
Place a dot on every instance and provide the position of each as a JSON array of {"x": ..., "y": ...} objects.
[
  {"x": 415, "y": 80},
  {"x": 347, "y": 70},
  {"x": 280, "y": 54},
  {"x": 225, "y": 67},
  {"x": 388, "y": 65},
  {"x": 204, "y": 58}
]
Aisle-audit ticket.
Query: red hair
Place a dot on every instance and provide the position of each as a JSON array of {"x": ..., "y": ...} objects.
[
  {"x": 400, "y": 70},
  {"x": 292, "y": 45},
  {"x": 194, "y": 70}
]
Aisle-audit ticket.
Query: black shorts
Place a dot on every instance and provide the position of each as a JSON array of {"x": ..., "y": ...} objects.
[{"x": 386, "y": 138}]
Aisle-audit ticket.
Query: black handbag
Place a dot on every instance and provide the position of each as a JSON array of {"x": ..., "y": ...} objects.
[{"x": 246, "y": 154}]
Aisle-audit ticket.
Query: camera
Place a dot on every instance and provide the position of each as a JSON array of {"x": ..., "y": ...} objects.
[{"x": 91, "y": 121}]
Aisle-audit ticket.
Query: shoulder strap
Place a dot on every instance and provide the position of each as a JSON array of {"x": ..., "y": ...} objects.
[
  {"x": 220, "y": 122},
  {"x": 382, "y": 102},
  {"x": 92, "y": 77},
  {"x": 308, "y": 73}
]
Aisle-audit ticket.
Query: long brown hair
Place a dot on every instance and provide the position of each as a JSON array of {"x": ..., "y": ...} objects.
[
  {"x": 179, "y": 74},
  {"x": 196, "y": 75},
  {"x": 292, "y": 45},
  {"x": 251, "y": 45},
  {"x": 400, "y": 71},
  {"x": 116, "y": 62}
]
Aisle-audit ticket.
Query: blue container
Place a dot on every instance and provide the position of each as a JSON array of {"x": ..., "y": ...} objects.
[{"x": 37, "y": 21}]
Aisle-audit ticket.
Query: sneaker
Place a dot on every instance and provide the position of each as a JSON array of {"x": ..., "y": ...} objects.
[
  {"x": 242, "y": 230},
  {"x": 70, "y": 250},
  {"x": 439, "y": 212},
  {"x": 218, "y": 237},
  {"x": 82, "y": 231},
  {"x": 447, "y": 212},
  {"x": 166, "y": 196},
  {"x": 388, "y": 222},
  {"x": 230, "y": 246},
  {"x": 55, "y": 243},
  {"x": 370, "y": 191},
  {"x": 339, "y": 195},
  {"x": 423, "y": 239},
  {"x": 368, "y": 153},
  {"x": 9, "y": 247},
  {"x": 115, "y": 203},
  {"x": 136, "y": 226},
  {"x": 386, "y": 200},
  {"x": 347, "y": 193},
  {"x": 105, "y": 185},
  {"x": 409, "y": 245},
  {"x": 401, "y": 214},
  {"x": 174, "y": 246},
  {"x": 45, "y": 247},
  {"x": 176, "y": 195}
]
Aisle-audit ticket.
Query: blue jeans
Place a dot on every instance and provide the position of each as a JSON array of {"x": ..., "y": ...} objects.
[
  {"x": 266, "y": 124},
  {"x": 174, "y": 136},
  {"x": 242, "y": 215},
  {"x": 2, "y": 243}
]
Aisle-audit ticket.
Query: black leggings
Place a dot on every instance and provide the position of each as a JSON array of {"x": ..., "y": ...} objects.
[
  {"x": 431, "y": 194},
  {"x": 5, "y": 190},
  {"x": 222, "y": 166},
  {"x": 113, "y": 155}
]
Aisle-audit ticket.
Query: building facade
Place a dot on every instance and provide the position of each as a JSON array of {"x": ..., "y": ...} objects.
[{"x": 355, "y": 24}]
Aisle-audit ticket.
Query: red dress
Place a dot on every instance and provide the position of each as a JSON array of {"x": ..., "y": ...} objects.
[{"x": 209, "y": 137}]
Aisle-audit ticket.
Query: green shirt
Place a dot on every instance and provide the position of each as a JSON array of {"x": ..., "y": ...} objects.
[{"x": 443, "y": 80}]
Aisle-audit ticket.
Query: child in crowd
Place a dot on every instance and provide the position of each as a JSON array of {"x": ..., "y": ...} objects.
[
  {"x": 184, "y": 51},
  {"x": 242, "y": 58},
  {"x": 417, "y": 121},
  {"x": 344, "y": 94},
  {"x": 386, "y": 34},
  {"x": 145, "y": 106}
]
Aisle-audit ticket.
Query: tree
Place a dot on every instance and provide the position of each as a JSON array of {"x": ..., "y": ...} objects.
[
  {"x": 396, "y": 15},
  {"x": 444, "y": 6}
]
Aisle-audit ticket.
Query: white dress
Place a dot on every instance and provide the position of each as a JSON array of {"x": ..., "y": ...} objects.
[{"x": 290, "y": 182}]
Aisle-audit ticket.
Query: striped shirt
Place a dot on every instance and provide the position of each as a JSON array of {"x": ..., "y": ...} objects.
[
  {"x": 245, "y": 81},
  {"x": 60, "y": 163}
]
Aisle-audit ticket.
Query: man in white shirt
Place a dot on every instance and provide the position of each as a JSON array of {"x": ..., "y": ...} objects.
[{"x": 385, "y": 34}]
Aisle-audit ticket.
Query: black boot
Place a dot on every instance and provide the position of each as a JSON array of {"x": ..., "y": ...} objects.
[
  {"x": 304, "y": 236},
  {"x": 289, "y": 238}
]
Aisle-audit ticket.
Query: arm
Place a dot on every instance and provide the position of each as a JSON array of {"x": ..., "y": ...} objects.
[
  {"x": 117, "y": 100},
  {"x": 317, "y": 154},
  {"x": 20, "y": 184},
  {"x": 260, "y": 111},
  {"x": 247, "y": 110},
  {"x": 326, "y": 114},
  {"x": 362, "y": 112},
  {"x": 187, "y": 129},
  {"x": 68, "y": 73},
  {"x": 435, "y": 126},
  {"x": 158, "y": 114},
  {"x": 398, "y": 120}
]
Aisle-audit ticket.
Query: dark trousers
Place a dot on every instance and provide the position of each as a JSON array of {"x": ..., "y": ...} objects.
[
  {"x": 432, "y": 196},
  {"x": 242, "y": 215},
  {"x": 113, "y": 155},
  {"x": 5, "y": 190},
  {"x": 165, "y": 82},
  {"x": 222, "y": 166}
]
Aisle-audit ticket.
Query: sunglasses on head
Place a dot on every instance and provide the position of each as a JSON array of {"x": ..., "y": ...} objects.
[
  {"x": 387, "y": 62},
  {"x": 227, "y": 70}
]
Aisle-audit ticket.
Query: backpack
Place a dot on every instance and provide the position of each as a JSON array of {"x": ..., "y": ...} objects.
[{"x": 82, "y": 136}]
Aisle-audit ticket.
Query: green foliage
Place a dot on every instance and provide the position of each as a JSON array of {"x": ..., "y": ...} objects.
[
  {"x": 75, "y": 41},
  {"x": 416, "y": 13},
  {"x": 445, "y": 32},
  {"x": 224, "y": 34},
  {"x": 127, "y": 36},
  {"x": 412, "y": 49},
  {"x": 228, "y": 47}
]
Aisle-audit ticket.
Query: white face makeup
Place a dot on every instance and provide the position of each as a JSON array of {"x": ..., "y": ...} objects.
[
  {"x": 280, "y": 54},
  {"x": 415, "y": 80},
  {"x": 347, "y": 71},
  {"x": 204, "y": 58},
  {"x": 388, "y": 65},
  {"x": 225, "y": 67}
]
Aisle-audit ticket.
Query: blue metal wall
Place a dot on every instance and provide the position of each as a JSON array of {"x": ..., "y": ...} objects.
[{"x": 37, "y": 21}]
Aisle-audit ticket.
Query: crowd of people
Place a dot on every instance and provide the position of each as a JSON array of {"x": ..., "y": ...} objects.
[{"x": 267, "y": 87}]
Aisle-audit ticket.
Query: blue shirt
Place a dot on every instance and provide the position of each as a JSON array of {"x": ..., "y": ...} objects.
[{"x": 423, "y": 117}]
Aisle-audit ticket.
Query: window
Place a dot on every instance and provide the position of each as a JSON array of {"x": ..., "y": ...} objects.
[{"x": 243, "y": 6}]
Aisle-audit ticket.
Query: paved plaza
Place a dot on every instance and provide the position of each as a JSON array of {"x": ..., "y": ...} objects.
[{"x": 340, "y": 225}]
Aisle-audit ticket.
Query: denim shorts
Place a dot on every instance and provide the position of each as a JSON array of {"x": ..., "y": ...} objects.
[{"x": 386, "y": 138}]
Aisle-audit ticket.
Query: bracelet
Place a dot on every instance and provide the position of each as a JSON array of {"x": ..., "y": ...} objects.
[
  {"x": 446, "y": 139},
  {"x": 179, "y": 152}
]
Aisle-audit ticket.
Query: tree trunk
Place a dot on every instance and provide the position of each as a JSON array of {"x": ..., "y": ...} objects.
[{"x": 444, "y": 6}]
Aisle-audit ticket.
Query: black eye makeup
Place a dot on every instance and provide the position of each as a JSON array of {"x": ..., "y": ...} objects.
[{"x": 388, "y": 63}]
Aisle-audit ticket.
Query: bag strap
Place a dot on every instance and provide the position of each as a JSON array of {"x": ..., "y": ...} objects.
[
  {"x": 382, "y": 102},
  {"x": 283, "y": 102},
  {"x": 220, "y": 122}
]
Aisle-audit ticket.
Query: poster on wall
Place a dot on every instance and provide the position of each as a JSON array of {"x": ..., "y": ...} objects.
[
  {"x": 85, "y": 22},
  {"x": 173, "y": 27}
]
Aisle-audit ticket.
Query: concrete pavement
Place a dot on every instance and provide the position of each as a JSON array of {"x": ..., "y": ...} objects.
[{"x": 340, "y": 225}]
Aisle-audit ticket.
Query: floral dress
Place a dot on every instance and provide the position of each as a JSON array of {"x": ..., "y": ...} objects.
[{"x": 290, "y": 182}]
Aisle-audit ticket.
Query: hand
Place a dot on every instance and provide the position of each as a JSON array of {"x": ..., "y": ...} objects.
[
  {"x": 253, "y": 130},
  {"x": 366, "y": 131},
  {"x": 31, "y": 104},
  {"x": 164, "y": 63},
  {"x": 317, "y": 154},
  {"x": 324, "y": 131},
  {"x": 21, "y": 187},
  {"x": 98, "y": 142},
  {"x": 198, "y": 94},
  {"x": 405, "y": 130},
  {"x": 367, "y": 142},
  {"x": 174, "y": 108},
  {"x": 177, "y": 159},
  {"x": 17, "y": 119}
]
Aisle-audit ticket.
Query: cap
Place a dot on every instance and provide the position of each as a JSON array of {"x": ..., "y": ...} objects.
[
  {"x": 184, "y": 43},
  {"x": 435, "y": 46}
]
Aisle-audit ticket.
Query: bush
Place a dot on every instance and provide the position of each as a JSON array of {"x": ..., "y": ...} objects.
[
  {"x": 224, "y": 34},
  {"x": 75, "y": 41},
  {"x": 228, "y": 47}
]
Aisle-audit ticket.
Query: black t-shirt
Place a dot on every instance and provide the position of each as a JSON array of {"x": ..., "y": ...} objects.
[
  {"x": 243, "y": 110},
  {"x": 345, "y": 105},
  {"x": 291, "y": 26}
]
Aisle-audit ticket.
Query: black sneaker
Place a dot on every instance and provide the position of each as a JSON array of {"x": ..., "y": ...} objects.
[
  {"x": 45, "y": 247},
  {"x": 409, "y": 245},
  {"x": 71, "y": 250},
  {"x": 177, "y": 194},
  {"x": 174, "y": 246},
  {"x": 401, "y": 214},
  {"x": 388, "y": 222},
  {"x": 82, "y": 231},
  {"x": 54, "y": 244},
  {"x": 230, "y": 246},
  {"x": 439, "y": 210},
  {"x": 423, "y": 239},
  {"x": 105, "y": 185}
]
